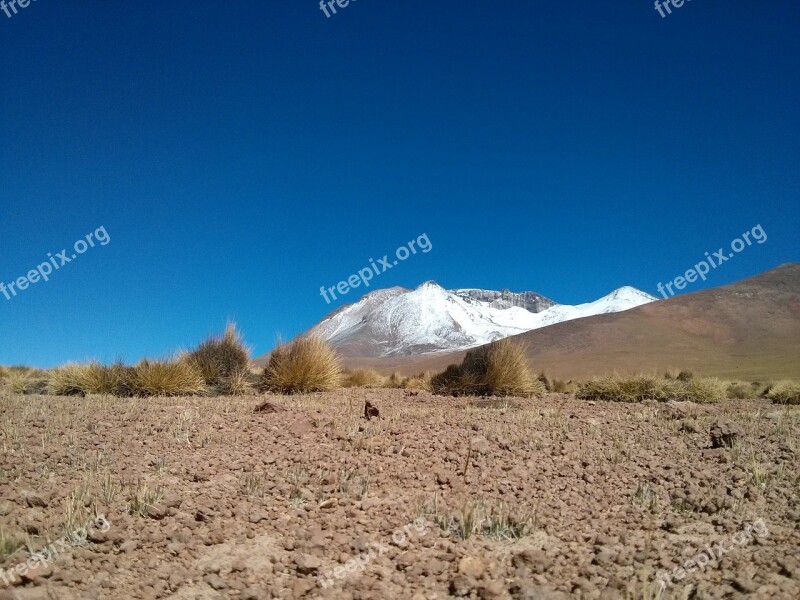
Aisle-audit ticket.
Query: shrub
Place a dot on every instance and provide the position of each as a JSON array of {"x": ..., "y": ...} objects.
[
  {"x": 546, "y": 382},
  {"x": 418, "y": 382},
  {"x": 167, "y": 378},
  {"x": 67, "y": 380},
  {"x": 19, "y": 381},
  {"x": 307, "y": 364},
  {"x": 362, "y": 378},
  {"x": 622, "y": 388},
  {"x": 237, "y": 384},
  {"x": 560, "y": 386},
  {"x": 395, "y": 380},
  {"x": 739, "y": 391},
  {"x": 92, "y": 378},
  {"x": 785, "y": 392},
  {"x": 499, "y": 368},
  {"x": 701, "y": 389},
  {"x": 221, "y": 357},
  {"x": 639, "y": 387}
]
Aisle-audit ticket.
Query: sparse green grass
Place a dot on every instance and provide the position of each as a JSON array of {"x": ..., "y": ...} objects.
[
  {"x": 307, "y": 364},
  {"x": 9, "y": 544},
  {"x": 477, "y": 518},
  {"x": 646, "y": 497},
  {"x": 499, "y": 368},
  {"x": 252, "y": 483},
  {"x": 143, "y": 500}
]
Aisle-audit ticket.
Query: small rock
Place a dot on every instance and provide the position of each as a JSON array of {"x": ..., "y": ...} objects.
[
  {"x": 723, "y": 434},
  {"x": 215, "y": 581},
  {"x": 33, "y": 499},
  {"x": 461, "y": 585},
  {"x": 307, "y": 564},
  {"x": 479, "y": 445},
  {"x": 472, "y": 566},
  {"x": 268, "y": 407}
]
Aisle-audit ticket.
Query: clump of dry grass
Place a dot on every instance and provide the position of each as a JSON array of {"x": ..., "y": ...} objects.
[
  {"x": 419, "y": 382},
  {"x": 91, "y": 378},
  {"x": 167, "y": 378},
  {"x": 739, "y": 391},
  {"x": 237, "y": 384},
  {"x": 19, "y": 381},
  {"x": 395, "y": 380},
  {"x": 67, "y": 380},
  {"x": 785, "y": 392},
  {"x": 307, "y": 364},
  {"x": 4, "y": 372},
  {"x": 639, "y": 387},
  {"x": 352, "y": 378},
  {"x": 221, "y": 357},
  {"x": 499, "y": 368},
  {"x": 562, "y": 387},
  {"x": 701, "y": 389},
  {"x": 25, "y": 380}
]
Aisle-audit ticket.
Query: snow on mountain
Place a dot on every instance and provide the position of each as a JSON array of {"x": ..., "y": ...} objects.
[{"x": 398, "y": 321}]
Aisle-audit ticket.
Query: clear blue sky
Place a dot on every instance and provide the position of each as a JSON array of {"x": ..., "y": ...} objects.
[{"x": 242, "y": 154}]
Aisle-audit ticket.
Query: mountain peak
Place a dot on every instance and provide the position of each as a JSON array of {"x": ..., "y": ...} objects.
[{"x": 429, "y": 319}]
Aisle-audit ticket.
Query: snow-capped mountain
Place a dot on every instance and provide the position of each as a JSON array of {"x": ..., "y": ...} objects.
[{"x": 398, "y": 321}]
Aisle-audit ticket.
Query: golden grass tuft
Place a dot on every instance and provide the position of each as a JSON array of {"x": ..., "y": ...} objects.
[
  {"x": 4, "y": 372},
  {"x": 237, "y": 384},
  {"x": 419, "y": 382},
  {"x": 91, "y": 378},
  {"x": 167, "y": 378},
  {"x": 221, "y": 357},
  {"x": 307, "y": 364},
  {"x": 739, "y": 391},
  {"x": 363, "y": 378},
  {"x": 395, "y": 380},
  {"x": 67, "y": 380},
  {"x": 640, "y": 387},
  {"x": 785, "y": 392},
  {"x": 499, "y": 368}
]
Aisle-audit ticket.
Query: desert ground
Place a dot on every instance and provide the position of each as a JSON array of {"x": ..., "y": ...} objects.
[{"x": 439, "y": 497}]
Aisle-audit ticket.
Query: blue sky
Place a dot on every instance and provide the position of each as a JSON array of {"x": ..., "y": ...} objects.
[{"x": 241, "y": 155}]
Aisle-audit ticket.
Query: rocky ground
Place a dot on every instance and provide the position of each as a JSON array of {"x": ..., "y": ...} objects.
[{"x": 474, "y": 497}]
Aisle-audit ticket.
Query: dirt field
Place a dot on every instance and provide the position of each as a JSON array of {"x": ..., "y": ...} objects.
[{"x": 480, "y": 498}]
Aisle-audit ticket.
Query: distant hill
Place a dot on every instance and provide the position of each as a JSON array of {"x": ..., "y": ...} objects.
[{"x": 745, "y": 330}]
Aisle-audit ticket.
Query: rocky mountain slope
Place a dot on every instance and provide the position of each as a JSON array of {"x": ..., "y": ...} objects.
[{"x": 431, "y": 319}]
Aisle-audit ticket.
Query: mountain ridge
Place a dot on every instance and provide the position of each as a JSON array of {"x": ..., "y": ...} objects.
[{"x": 430, "y": 319}]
